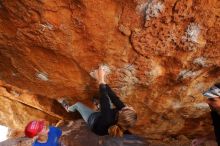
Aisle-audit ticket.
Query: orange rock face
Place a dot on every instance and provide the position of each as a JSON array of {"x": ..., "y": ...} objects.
[
  {"x": 161, "y": 56},
  {"x": 18, "y": 107}
]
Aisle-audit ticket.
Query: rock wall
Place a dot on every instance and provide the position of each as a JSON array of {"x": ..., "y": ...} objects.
[
  {"x": 161, "y": 54},
  {"x": 18, "y": 107}
]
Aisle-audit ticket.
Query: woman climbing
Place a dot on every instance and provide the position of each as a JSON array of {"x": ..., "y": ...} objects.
[{"x": 113, "y": 122}]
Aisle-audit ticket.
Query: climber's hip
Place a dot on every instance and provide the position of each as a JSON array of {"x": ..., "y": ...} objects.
[{"x": 92, "y": 119}]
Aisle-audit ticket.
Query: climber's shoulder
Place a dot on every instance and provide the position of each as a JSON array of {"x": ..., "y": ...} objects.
[{"x": 55, "y": 130}]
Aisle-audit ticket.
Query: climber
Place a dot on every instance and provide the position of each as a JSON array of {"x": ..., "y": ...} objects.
[
  {"x": 114, "y": 122},
  {"x": 213, "y": 99},
  {"x": 42, "y": 133}
]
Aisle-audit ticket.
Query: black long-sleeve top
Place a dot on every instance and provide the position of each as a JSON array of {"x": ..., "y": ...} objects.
[
  {"x": 216, "y": 124},
  {"x": 108, "y": 116}
]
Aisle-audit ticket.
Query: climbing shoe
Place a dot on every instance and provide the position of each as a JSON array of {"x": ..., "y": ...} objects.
[{"x": 64, "y": 103}]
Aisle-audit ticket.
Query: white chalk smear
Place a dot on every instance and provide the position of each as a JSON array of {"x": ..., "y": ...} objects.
[
  {"x": 42, "y": 76},
  {"x": 188, "y": 74},
  {"x": 201, "y": 105},
  {"x": 192, "y": 33},
  {"x": 200, "y": 61},
  {"x": 46, "y": 26},
  {"x": 153, "y": 9}
]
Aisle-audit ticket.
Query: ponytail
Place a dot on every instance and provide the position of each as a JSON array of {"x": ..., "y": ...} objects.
[
  {"x": 115, "y": 131},
  {"x": 125, "y": 120}
]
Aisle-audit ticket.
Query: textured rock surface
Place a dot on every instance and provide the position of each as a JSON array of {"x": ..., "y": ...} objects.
[
  {"x": 161, "y": 54},
  {"x": 18, "y": 107}
]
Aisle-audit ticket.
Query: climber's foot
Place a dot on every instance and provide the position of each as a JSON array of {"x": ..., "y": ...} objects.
[{"x": 64, "y": 103}]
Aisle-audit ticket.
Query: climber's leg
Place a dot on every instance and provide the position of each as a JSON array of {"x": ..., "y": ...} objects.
[{"x": 82, "y": 109}]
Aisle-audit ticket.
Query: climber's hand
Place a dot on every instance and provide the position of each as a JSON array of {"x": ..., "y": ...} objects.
[
  {"x": 198, "y": 141},
  {"x": 101, "y": 74},
  {"x": 214, "y": 103},
  {"x": 59, "y": 123}
]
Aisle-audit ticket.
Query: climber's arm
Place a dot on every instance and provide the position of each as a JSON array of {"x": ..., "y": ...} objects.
[
  {"x": 216, "y": 120},
  {"x": 114, "y": 98},
  {"x": 104, "y": 103},
  {"x": 59, "y": 123}
]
